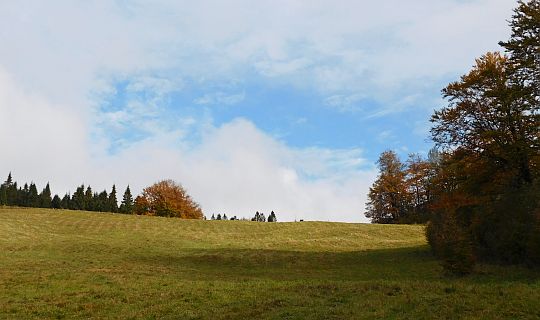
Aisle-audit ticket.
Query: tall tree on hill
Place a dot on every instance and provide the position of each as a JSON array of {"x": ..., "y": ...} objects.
[
  {"x": 56, "y": 202},
  {"x": 168, "y": 199},
  {"x": 66, "y": 202},
  {"x": 523, "y": 48},
  {"x": 78, "y": 199},
  {"x": 272, "y": 217},
  {"x": 89, "y": 199},
  {"x": 3, "y": 195},
  {"x": 113, "y": 201},
  {"x": 388, "y": 196},
  {"x": 127, "y": 202},
  {"x": 419, "y": 173},
  {"x": 33, "y": 196},
  {"x": 22, "y": 196},
  {"x": 11, "y": 191},
  {"x": 45, "y": 197},
  {"x": 491, "y": 175},
  {"x": 101, "y": 201},
  {"x": 9, "y": 180}
]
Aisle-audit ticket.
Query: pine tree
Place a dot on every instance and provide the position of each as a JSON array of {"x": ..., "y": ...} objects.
[
  {"x": 78, "y": 201},
  {"x": 272, "y": 217},
  {"x": 12, "y": 194},
  {"x": 22, "y": 196},
  {"x": 218, "y": 216},
  {"x": 127, "y": 202},
  {"x": 66, "y": 202},
  {"x": 89, "y": 199},
  {"x": 113, "y": 202},
  {"x": 3, "y": 195},
  {"x": 9, "y": 180},
  {"x": 10, "y": 191},
  {"x": 45, "y": 197},
  {"x": 56, "y": 202},
  {"x": 33, "y": 196}
]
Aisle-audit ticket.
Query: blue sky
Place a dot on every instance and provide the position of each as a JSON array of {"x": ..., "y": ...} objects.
[{"x": 268, "y": 105}]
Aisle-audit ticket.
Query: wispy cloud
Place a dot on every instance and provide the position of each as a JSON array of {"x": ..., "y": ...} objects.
[{"x": 112, "y": 91}]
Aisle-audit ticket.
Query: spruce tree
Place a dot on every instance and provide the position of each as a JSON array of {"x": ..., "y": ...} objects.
[
  {"x": 22, "y": 196},
  {"x": 113, "y": 202},
  {"x": 213, "y": 217},
  {"x": 12, "y": 194},
  {"x": 225, "y": 217},
  {"x": 127, "y": 202},
  {"x": 9, "y": 180},
  {"x": 89, "y": 199},
  {"x": 56, "y": 202},
  {"x": 33, "y": 196},
  {"x": 66, "y": 202},
  {"x": 103, "y": 201},
  {"x": 45, "y": 197},
  {"x": 10, "y": 191},
  {"x": 272, "y": 217},
  {"x": 3, "y": 195},
  {"x": 77, "y": 201},
  {"x": 218, "y": 216}
]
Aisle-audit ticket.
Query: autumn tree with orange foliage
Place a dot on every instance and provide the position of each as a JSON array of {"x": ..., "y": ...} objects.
[
  {"x": 167, "y": 199},
  {"x": 488, "y": 200}
]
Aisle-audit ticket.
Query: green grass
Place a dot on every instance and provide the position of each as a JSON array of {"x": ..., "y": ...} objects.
[{"x": 68, "y": 264}]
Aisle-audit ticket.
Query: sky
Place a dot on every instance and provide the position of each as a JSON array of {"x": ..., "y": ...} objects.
[{"x": 250, "y": 105}]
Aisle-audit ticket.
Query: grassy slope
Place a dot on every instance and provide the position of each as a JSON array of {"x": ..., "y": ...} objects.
[{"x": 56, "y": 264}]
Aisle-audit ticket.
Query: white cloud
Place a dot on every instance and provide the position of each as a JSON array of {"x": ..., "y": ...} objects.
[
  {"x": 344, "y": 47},
  {"x": 236, "y": 169},
  {"x": 59, "y": 59},
  {"x": 220, "y": 98}
]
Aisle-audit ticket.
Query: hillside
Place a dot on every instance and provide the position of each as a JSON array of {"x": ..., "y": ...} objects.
[{"x": 71, "y": 264}]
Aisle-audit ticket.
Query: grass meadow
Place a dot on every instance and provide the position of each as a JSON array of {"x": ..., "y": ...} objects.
[{"x": 79, "y": 265}]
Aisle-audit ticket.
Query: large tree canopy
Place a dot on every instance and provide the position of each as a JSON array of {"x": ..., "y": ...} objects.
[
  {"x": 167, "y": 199},
  {"x": 488, "y": 201}
]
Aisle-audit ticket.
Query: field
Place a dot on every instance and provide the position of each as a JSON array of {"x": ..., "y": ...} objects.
[{"x": 69, "y": 264}]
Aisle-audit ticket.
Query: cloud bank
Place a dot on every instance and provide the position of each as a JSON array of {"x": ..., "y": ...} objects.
[{"x": 61, "y": 62}]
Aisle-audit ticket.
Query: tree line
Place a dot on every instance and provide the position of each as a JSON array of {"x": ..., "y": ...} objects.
[
  {"x": 165, "y": 198},
  {"x": 480, "y": 187},
  {"x": 259, "y": 217},
  {"x": 84, "y": 198}
]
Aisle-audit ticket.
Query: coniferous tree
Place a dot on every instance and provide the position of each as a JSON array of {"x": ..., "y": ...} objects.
[
  {"x": 113, "y": 201},
  {"x": 22, "y": 196},
  {"x": 213, "y": 217},
  {"x": 11, "y": 191},
  {"x": 89, "y": 199},
  {"x": 78, "y": 199},
  {"x": 3, "y": 195},
  {"x": 225, "y": 217},
  {"x": 66, "y": 202},
  {"x": 9, "y": 180},
  {"x": 103, "y": 201},
  {"x": 272, "y": 217},
  {"x": 218, "y": 216},
  {"x": 127, "y": 202},
  {"x": 56, "y": 202},
  {"x": 33, "y": 196},
  {"x": 45, "y": 197}
]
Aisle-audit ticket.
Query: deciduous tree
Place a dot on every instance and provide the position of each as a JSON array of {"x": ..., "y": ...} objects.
[
  {"x": 388, "y": 197},
  {"x": 169, "y": 199}
]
